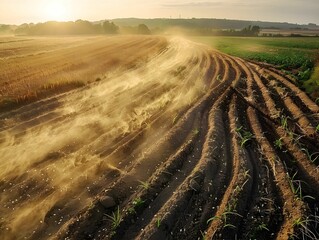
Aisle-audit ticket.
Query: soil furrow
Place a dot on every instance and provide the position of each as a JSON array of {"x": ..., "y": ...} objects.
[
  {"x": 293, "y": 209},
  {"x": 299, "y": 93},
  {"x": 176, "y": 141}
]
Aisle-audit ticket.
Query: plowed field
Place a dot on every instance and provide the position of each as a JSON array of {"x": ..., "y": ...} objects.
[{"x": 189, "y": 143}]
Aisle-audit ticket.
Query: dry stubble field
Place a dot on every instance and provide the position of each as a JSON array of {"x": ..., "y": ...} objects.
[{"x": 163, "y": 139}]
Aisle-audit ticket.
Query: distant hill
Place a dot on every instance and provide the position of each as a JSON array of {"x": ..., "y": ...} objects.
[{"x": 209, "y": 23}]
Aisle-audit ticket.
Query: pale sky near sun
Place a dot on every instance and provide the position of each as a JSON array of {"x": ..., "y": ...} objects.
[{"x": 26, "y": 11}]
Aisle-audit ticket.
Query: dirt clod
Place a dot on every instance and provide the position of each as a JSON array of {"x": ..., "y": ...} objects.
[{"x": 107, "y": 201}]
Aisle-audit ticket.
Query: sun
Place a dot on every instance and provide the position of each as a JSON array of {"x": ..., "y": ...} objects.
[{"x": 55, "y": 11}]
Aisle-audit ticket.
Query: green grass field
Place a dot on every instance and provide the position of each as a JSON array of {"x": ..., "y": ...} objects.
[
  {"x": 298, "y": 55},
  {"x": 313, "y": 82}
]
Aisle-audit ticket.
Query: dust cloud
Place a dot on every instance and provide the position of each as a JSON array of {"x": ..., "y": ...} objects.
[{"x": 56, "y": 154}]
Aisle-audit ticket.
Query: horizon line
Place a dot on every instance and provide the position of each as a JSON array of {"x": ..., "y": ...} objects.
[{"x": 166, "y": 18}]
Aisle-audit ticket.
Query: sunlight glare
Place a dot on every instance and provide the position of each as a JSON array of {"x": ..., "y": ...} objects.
[{"x": 55, "y": 10}]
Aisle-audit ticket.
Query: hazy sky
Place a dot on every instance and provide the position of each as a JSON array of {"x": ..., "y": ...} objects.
[{"x": 294, "y": 11}]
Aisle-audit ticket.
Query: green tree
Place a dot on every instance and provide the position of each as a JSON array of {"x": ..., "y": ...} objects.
[
  {"x": 255, "y": 30},
  {"x": 250, "y": 31},
  {"x": 110, "y": 27},
  {"x": 5, "y": 29},
  {"x": 143, "y": 29},
  {"x": 22, "y": 29}
]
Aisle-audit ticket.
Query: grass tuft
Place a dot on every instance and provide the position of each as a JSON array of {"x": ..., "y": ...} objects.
[
  {"x": 115, "y": 218},
  {"x": 245, "y": 136}
]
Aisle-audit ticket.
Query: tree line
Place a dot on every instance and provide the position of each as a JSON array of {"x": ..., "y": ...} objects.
[
  {"x": 75, "y": 28},
  {"x": 108, "y": 27},
  {"x": 250, "y": 31}
]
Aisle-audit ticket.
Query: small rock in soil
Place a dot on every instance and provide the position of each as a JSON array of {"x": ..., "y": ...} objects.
[{"x": 107, "y": 201}]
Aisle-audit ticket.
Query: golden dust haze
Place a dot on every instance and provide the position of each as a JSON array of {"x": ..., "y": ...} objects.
[
  {"x": 62, "y": 176},
  {"x": 295, "y": 11}
]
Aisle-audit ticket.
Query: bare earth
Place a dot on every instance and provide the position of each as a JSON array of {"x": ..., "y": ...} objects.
[{"x": 157, "y": 137}]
